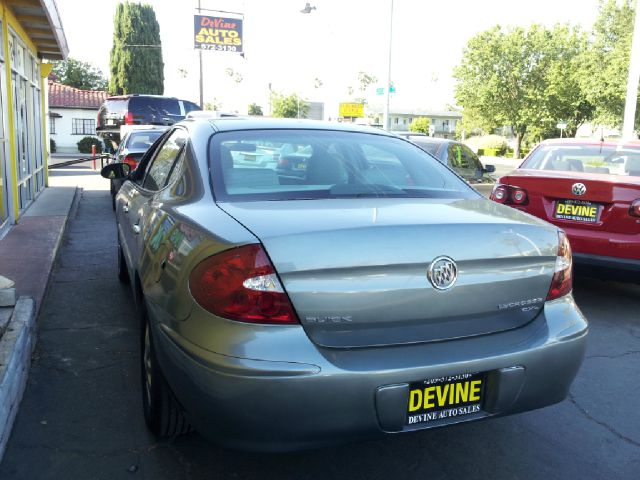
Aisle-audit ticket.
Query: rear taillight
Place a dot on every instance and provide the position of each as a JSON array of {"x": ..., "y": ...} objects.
[
  {"x": 519, "y": 196},
  {"x": 562, "y": 282},
  {"x": 241, "y": 284},
  {"x": 129, "y": 160},
  {"x": 634, "y": 209},
  {"x": 509, "y": 195},
  {"x": 500, "y": 194},
  {"x": 128, "y": 118}
]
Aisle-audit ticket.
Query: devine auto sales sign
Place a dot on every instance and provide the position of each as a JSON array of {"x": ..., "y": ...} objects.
[{"x": 217, "y": 33}]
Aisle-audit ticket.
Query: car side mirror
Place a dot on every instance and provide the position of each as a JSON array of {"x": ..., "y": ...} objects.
[
  {"x": 489, "y": 168},
  {"x": 116, "y": 171}
]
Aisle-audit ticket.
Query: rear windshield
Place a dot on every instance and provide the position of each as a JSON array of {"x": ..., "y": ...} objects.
[
  {"x": 313, "y": 164},
  {"x": 432, "y": 148},
  {"x": 115, "y": 106},
  {"x": 157, "y": 106},
  {"x": 142, "y": 140},
  {"x": 586, "y": 158}
]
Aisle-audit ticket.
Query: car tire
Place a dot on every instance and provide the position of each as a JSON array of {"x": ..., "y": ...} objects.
[
  {"x": 162, "y": 413},
  {"x": 113, "y": 197},
  {"x": 123, "y": 272}
]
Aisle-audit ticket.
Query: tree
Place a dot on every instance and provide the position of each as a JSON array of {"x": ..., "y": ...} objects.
[
  {"x": 420, "y": 125},
  {"x": 522, "y": 79},
  {"x": 255, "y": 109},
  {"x": 136, "y": 56},
  {"x": 606, "y": 65},
  {"x": 288, "y": 106},
  {"x": 77, "y": 74}
]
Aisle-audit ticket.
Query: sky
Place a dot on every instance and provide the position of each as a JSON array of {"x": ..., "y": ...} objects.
[{"x": 288, "y": 50}]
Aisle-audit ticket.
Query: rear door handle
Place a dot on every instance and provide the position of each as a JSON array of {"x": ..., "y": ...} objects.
[
  {"x": 136, "y": 228},
  {"x": 125, "y": 208}
]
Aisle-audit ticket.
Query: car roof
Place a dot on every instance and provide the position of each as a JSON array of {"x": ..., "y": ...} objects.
[
  {"x": 591, "y": 142},
  {"x": 228, "y": 124}
]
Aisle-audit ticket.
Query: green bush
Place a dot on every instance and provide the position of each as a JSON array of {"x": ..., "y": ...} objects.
[
  {"x": 84, "y": 145},
  {"x": 491, "y": 145},
  {"x": 52, "y": 146}
]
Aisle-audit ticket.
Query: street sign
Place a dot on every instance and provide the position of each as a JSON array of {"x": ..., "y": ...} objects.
[
  {"x": 392, "y": 89},
  {"x": 220, "y": 34},
  {"x": 561, "y": 125},
  {"x": 353, "y": 110},
  {"x": 379, "y": 91}
]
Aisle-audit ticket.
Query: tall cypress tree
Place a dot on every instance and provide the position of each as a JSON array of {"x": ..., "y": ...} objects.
[{"x": 136, "y": 56}]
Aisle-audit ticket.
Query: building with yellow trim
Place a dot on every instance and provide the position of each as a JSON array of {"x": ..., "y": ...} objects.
[{"x": 30, "y": 33}]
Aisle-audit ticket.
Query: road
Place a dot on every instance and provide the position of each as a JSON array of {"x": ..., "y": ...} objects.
[{"x": 81, "y": 414}]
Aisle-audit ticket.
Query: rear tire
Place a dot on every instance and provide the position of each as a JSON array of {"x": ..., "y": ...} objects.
[
  {"x": 162, "y": 413},
  {"x": 123, "y": 272}
]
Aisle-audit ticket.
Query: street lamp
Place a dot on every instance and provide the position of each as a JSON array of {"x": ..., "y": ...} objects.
[{"x": 307, "y": 8}]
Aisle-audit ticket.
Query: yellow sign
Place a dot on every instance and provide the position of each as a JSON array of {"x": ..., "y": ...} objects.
[{"x": 353, "y": 110}]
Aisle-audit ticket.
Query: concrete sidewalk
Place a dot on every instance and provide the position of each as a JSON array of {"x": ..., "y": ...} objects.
[{"x": 27, "y": 255}]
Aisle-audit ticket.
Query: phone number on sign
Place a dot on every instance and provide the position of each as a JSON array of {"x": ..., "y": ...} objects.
[{"x": 219, "y": 48}]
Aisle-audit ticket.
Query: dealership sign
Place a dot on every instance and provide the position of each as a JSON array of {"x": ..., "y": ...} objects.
[
  {"x": 217, "y": 33},
  {"x": 353, "y": 110}
]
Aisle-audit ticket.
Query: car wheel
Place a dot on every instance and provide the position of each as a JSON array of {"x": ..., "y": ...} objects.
[
  {"x": 123, "y": 272},
  {"x": 162, "y": 413}
]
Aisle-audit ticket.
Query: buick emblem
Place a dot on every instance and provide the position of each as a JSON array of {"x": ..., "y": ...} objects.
[
  {"x": 579, "y": 189},
  {"x": 442, "y": 273}
]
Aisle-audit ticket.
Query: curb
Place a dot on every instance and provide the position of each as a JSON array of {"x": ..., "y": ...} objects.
[{"x": 16, "y": 347}]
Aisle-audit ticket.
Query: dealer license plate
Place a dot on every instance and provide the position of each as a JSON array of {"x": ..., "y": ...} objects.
[
  {"x": 578, "y": 210},
  {"x": 444, "y": 398}
]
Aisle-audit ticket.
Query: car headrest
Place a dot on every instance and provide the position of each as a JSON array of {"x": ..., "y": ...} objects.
[{"x": 633, "y": 164}]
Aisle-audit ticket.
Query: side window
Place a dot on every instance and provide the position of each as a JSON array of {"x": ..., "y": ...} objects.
[
  {"x": 472, "y": 159},
  {"x": 165, "y": 157},
  {"x": 455, "y": 156}
]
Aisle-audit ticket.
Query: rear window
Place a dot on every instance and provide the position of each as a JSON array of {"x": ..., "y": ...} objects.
[
  {"x": 142, "y": 140},
  {"x": 586, "y": 158},
  {"x": 155, "y": 105},
  {"x": 313, "y": 164},
  {"x": 115, "y": 106},
  {"x": 432, "y": 148}
]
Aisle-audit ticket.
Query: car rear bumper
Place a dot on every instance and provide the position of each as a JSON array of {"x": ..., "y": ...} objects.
[{"x": 360, "y": 393}]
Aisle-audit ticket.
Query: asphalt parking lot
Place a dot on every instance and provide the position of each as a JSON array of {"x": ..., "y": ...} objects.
[{"x": 81, "y": 415}]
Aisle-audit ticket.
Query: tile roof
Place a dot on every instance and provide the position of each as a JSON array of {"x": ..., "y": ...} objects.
[{"x": 69, "y": 97}]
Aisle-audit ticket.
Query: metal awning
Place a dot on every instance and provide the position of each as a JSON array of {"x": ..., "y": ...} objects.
[{"x": 41, "y": 20}]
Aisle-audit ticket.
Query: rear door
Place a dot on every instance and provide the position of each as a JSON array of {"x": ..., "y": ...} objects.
[{"x": 135, "y": 202}]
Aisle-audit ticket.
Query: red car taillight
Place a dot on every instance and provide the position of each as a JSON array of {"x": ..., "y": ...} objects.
[
  {"x": 500, "y": 194},
  {"x": 241, "y": 284},
  {"x": 562, "y": 281},
  {"x": 128, "y": 118},
  {"x": 634, "y": 210},
  {"x": 129, "y": 160},
  {"x": 509, "y": 195}
]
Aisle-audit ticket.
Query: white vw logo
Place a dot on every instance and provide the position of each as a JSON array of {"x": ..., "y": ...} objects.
[
  {"x": 442, "y": 273},
  {"x": 579, "y": 189}
]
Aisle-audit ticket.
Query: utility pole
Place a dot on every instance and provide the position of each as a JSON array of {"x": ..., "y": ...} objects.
[
  {"x": 387, "y": 123},
  {"x": 200, "y": 59},
  {"x": 632, "y": 82}
]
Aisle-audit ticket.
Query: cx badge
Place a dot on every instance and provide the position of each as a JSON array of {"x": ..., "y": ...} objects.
[
  {"x": 442, "y": 273},
  {"x": 579, "y": 189}
]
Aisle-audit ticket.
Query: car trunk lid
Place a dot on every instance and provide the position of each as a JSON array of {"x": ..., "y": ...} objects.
[
  {"x": 584, "y": 200},
  {"x": 356, "y": 270}
]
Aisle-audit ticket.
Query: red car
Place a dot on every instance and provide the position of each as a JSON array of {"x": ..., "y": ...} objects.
[{"x": 591, "y": 190}]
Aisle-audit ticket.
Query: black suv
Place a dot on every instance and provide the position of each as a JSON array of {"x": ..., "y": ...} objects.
[{"x": 139, "y": 110}]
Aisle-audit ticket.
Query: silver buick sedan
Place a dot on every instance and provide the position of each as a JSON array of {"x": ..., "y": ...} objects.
[{"x": 365, "y": 290}]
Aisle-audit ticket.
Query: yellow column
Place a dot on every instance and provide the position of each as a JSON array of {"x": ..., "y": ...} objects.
[{"x": 13, "y": 185}]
